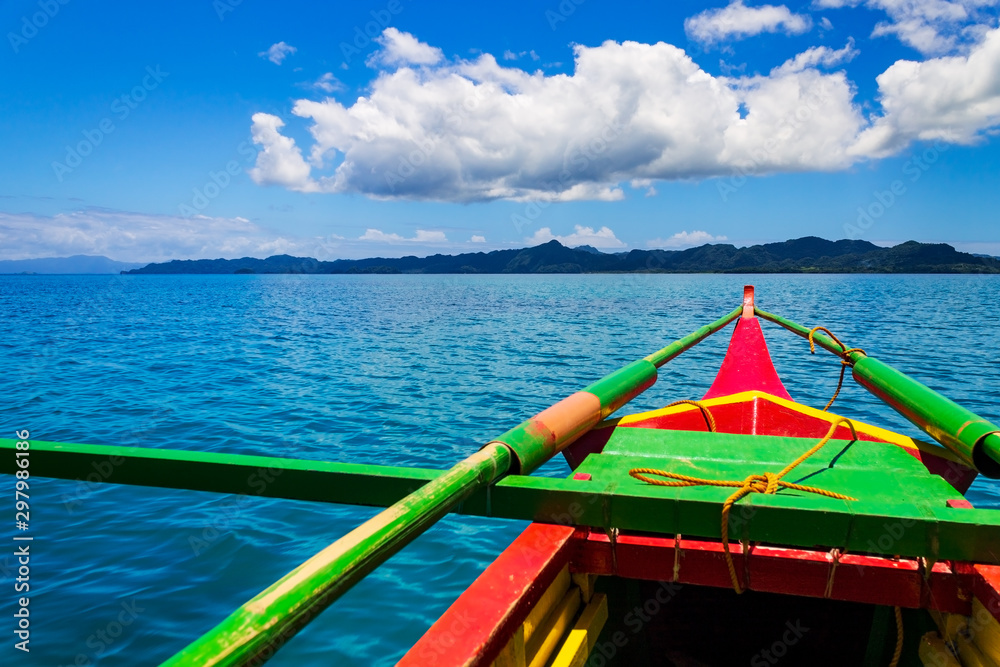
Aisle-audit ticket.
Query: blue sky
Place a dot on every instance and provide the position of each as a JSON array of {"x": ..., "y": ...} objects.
[{"x": 237, "y": 127}]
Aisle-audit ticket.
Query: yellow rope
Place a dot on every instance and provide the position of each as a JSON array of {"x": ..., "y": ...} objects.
[
  {"x": 709, "y": 419},
  {"x": 899, "y": 639},
  {"x": 845, "y": 358},
  {"x": 765, "y": 483}
]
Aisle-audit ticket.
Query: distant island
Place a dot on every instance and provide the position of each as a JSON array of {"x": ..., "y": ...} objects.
[
  {"x": 805, "y": 255},
  {"x": 77, "y": 264}
]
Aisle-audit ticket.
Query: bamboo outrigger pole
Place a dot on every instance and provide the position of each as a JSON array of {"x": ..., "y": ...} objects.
[
  {"x": 255, "y": 631},
  {"x": 975, "y": 440}
]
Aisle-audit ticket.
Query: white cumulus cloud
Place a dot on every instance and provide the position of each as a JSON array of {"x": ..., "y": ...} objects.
[
  {"x": 737, "y": 21},
  {"x": 478, "y": 131},
  {"x": 280, "y": 162},
  {"x": 475, "y": 130},
  {"x": 602, "y": 238},
  {"x": 277, "y": 53},
  {"x": 402, "y": 48},
  {"x": 685, "y": 239},
  {"x": 477, "y": 238},
  {"x": 952, "y": 99}
]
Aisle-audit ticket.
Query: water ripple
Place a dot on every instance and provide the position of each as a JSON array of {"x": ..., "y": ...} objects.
[{"x": 397, "y": 370}]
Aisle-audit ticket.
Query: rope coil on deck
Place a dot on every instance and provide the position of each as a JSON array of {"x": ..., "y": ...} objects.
[
  {"x": 766, "y": 483},
  {"x": 845, "y": 358}
]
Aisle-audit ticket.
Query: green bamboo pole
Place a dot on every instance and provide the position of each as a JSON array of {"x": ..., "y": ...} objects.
[
  {"x": 974, "y": 439},
  {"x": 661, "y": 357},
  {"x": 253, "y": 633}
]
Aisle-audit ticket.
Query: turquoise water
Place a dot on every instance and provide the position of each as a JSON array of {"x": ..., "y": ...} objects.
[{"x": 398, "y": 370}]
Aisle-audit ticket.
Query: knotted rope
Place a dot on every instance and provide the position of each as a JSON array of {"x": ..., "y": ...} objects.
[
  {"x": 845, "y": 358},
  {"x": 765, "y": 483}
]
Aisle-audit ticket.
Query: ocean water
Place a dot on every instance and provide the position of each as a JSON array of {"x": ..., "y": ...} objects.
[{"x": 397, "y": 370}]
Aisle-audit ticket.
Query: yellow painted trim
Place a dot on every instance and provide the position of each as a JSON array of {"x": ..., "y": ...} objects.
[
  {"x": 744, "y": 396},
  {"x": 949, "y": 625},
  {"x": 548, "y": 636},
  {"x": 586, "y": 582},
  {"x": 933, "y": 652},
  {"x": 573, "y": 652},
  {"x": 970, "y": 655},
  {"x": 592, "y": 620},
  {"x": 985, "y": 631},
  {"x": 582, "y": 638},
  {"x": 513, "y": 654},
  {"x": 550, "y": 598}
]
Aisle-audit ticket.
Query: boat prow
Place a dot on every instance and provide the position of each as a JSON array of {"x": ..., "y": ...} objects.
[{"x": 844, "y": 566}]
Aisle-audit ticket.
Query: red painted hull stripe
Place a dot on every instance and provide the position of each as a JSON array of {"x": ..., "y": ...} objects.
[
  {"x": 986, "y": 587},
  {"x": 481, "y": 622},
  {"x": 798, "y": 572}
]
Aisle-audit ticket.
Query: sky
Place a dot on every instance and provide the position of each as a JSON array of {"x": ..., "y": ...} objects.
[{"x": 230, "y": 128}]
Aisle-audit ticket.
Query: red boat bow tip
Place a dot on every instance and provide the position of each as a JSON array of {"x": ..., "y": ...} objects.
[{"x": 747, "y": 366}]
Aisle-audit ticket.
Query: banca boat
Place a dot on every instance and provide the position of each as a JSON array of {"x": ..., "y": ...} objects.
[{"x": 739, "y": 528}]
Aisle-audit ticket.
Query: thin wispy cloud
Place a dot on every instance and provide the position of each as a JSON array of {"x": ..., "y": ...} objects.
[
  {"x": 511, "y": 55},
  {"x": 278, "y": 52},
  {"x": 140, "y": 237},
  {"x": 328, "y": 83},
  {"x": 820, "y": 56},
  {"x": 129, "y": 236},
  {"x": 421, "y": 236},
  {"x": 932, "y": 27},
  {"x": 737, "y": 21}
]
